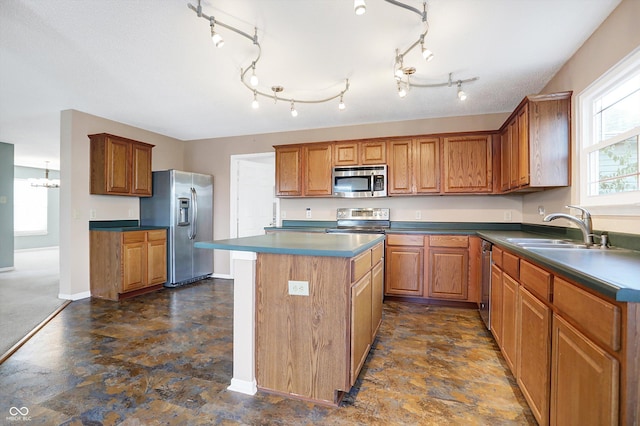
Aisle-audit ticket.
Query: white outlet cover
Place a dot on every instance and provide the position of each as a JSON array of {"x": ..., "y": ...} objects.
[{"x": 298, "y": 288}]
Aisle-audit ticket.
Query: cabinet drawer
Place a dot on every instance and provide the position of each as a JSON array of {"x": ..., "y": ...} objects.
[
  {"x": 360, "y": 265},
  {"x": 134, "y": 236},
  {"x": 511, "y": 264},
  {"x": 595, "y": 316},
  {"x": 537, "y": 280},
  {"x": 496, "y": 256},
  {"x": 377, "y": 253},
  {"x": 405, "y": 240},
  {"x": 157, "y": 235},
  {"x": 449, "y": 241}
]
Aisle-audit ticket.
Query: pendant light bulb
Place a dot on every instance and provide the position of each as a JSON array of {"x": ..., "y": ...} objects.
[
  {"x": 217, "y": 39},
  {"x": 461, "y": 94},
  {"x": 359, "y": 7},
  {"x": 427, "y": 54},
  {"x": 255, "y": 104},
  {"x": 294, "y": 112},
  {"x": 254, "y": 78},
  {"x": 341, "y": 105},
  {"x": 402, "y": 92}
]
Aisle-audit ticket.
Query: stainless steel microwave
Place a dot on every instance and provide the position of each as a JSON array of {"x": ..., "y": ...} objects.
[{"x": 360, "y": 181}]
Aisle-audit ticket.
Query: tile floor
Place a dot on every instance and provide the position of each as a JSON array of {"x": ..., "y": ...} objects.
[{"x": 165, "y": 359}]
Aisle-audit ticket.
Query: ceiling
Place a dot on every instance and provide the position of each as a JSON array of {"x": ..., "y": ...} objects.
[{"x": 151, "y": 63}]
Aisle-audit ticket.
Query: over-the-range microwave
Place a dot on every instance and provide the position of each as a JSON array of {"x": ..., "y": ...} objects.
[{"x": 360, "y": 181}]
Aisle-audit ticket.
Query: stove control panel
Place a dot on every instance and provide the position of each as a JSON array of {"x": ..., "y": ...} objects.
[{"x": 362, "y": 213}]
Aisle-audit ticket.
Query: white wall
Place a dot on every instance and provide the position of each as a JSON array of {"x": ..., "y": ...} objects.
[
  {"x": 75, "y": 200},
  {"x": 616, "y": 38}
]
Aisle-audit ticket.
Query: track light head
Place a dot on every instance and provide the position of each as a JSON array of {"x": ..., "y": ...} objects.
[
  {"x": 341, "y": 105},
  {"x": 294, "y": 112},
  {"x": 255, "y": 104},
  {"x": 254, "y": 78},
  {"x": 461, "y": 94},
  {"x": 217, "y": 39},
  {"x": 427, "y": 54},
  {"x": 359, "y": 7}
]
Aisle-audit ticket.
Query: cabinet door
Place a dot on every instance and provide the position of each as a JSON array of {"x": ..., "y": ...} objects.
[
  {"x": 345, "y": 153},
  {"x": 427, "y": 165},
  {"x": 584, "y": 379},
  {"x": 377, "y": 295},
  {"x": 448, "y": 276},
  {"x": 317, "y": 177},
  {"x": 400, "y": 171},
  {"x": 513, "y": 161},
  {"x": 373, "y": 152},
  {"x": 523, "y": 146},
  {"x": 496, "y": 304},
  {"x": 141, "y": 169},
  {"x": 505, "y": 160},
  {"x": 117, "y": 166},
  {"x": 156, "y": 262},
  {"x": 134, "y": 262},
  {"x": 510, "y": 322},
  {"x": 404, "y": 275},
  {"x": 467, "y": 164},
  {"x": 534, "y": 354},
  {"x": 360, "y": 324},
  {"x": 288, "y": 171}
]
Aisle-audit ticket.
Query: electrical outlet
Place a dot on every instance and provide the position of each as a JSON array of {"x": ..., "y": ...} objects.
[
  {"x": 541, "y": 210},
  {"x": 298, "y": 288},
  {"x": 418, "y": 214},
  {"x": 308, "y": 212},
  {"x": 92, "y": 214},
  {"x": 283, "y": 214},
  {"x": 130, "y": 213},
  {"x": 507, "y": 216}
]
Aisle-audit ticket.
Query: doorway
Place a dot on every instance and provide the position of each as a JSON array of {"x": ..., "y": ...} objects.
[{"x": 253, "y": 203}]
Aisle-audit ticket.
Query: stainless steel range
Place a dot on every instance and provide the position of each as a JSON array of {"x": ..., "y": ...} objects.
[{"x": 362, "y": 220}]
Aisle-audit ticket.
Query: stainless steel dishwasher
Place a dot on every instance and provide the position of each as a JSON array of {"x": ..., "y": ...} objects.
[{"x": 486, "y": 284}]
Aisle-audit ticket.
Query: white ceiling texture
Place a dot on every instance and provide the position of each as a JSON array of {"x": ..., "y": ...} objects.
[{"x": 152, "y": 64}]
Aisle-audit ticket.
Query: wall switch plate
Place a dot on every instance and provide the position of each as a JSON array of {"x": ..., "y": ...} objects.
[
  {"x": 507, "y": 215},
  {"x": 298, "y": 288},
  {"x": 92, "y": 214},
  {"x": 308, "y": 212},
  {"x": 283, "y": 214},
  {"x": 130, "y": 213},
  {"x": 418, "y": 214}
]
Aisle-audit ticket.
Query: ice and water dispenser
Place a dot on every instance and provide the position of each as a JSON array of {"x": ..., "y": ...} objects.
[{"x": 183, "y": 211}]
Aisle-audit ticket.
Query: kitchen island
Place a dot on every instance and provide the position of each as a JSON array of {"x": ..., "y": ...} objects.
[{"x": 307, "y": 308}]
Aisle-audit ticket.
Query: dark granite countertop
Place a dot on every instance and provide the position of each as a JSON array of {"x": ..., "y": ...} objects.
[
  {"x": 299, "y": 243},
  {"x": 129, "y": 228},
  {"x": 124, "y": 225}
]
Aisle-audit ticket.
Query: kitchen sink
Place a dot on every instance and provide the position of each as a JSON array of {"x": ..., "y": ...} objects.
[{"x": 545, "y": 243}]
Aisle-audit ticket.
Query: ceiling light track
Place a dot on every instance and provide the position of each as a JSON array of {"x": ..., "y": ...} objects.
[{"x": 253, "y": 78}]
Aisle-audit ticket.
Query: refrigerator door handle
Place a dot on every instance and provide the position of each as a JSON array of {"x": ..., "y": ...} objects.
[{"x": 193, "y": 230}]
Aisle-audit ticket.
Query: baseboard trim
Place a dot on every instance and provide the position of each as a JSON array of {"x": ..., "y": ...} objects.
[
  {"x": 74, "y": 296},
  {"x": 243, "y": 386},
  {"x": 7, "y": 269},
  {"x": 225, "y": 276}
]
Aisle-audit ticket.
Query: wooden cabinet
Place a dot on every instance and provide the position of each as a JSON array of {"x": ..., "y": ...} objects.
[
  {"x": 414, "y": 165},
  {"x": 400, "y": 166},
  {"x": 468, "y": 164},
  {"x": 535, "y": 144},
  {"x": 289, "y": 170},
  {"x": 304, "y": 170},
  {"x": 510, "y": 322},
  {"x": 427, "y": 165},
  {"x": 534, "y": 353},
  {"x": 495, "y": 306},
  {"x": 353, "y": 153},
  {"x": 127, "y": 263},
  {"x": 448, "y": 267},
  {"x": 313, "y": 346},
  {"x": 584, "y": 379},
  {"x": 119, "y": 166},
  {"x": 404, "y": 260}
]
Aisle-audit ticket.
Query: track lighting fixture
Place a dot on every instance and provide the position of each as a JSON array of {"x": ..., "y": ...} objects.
[
  {"x": 427, "y": 54},
  {"x": 402, "y": 91},
  {"x": 255, "y": 104},
  {"x": 341, "y": 105},
  {"x": 359, "y": 7},
  {"x": 253, "y": 82},
  {"x": 294, "y": 112},
  {"x": 461, "y": 95}
]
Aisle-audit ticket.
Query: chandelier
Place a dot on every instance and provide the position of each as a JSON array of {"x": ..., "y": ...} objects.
[
  {"x": 45, "y": 182},
  {"x": 276, "y": 92},
  {"x": 401, "y": 73}
]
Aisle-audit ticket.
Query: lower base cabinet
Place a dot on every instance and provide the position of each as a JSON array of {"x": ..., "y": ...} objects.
[
  {"x": 126, "y": 263},
  {"x": 584, "y": 380}
]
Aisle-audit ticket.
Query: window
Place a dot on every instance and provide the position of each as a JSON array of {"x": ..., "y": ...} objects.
[
  {"x": 610, "y": 139},
  {"x": 30, "y": 209}
]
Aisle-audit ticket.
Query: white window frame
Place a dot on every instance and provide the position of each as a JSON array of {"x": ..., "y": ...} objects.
[
  {"x": 627, "y": 203},
  {"x": 40, "y": 210}
]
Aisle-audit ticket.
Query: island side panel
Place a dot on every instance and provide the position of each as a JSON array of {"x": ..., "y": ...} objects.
[{"x": 302, "y": 342}]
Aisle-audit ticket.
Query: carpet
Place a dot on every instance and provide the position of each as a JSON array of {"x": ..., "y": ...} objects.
[{"x": 28, "y": 294}]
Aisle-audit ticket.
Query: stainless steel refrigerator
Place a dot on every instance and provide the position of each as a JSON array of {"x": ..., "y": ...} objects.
[{"x": 183, "y": 202}]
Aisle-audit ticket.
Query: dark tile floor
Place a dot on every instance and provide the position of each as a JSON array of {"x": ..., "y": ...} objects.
[{"x": 166, "y": 358}]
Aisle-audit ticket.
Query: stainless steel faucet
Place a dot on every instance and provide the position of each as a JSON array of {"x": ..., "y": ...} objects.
[{"x": 584, "y": 222}]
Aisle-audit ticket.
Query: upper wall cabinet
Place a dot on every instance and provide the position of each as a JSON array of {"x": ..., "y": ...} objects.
[
  {"x": 353, "y": 153},
  {"x": 414, "y": 165},
  {"x": 468, "y": 164},
  {"x": 120, "y": 166},
  {"x": 535, "y": 144},
  {"x": 304, "y": 170}
]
